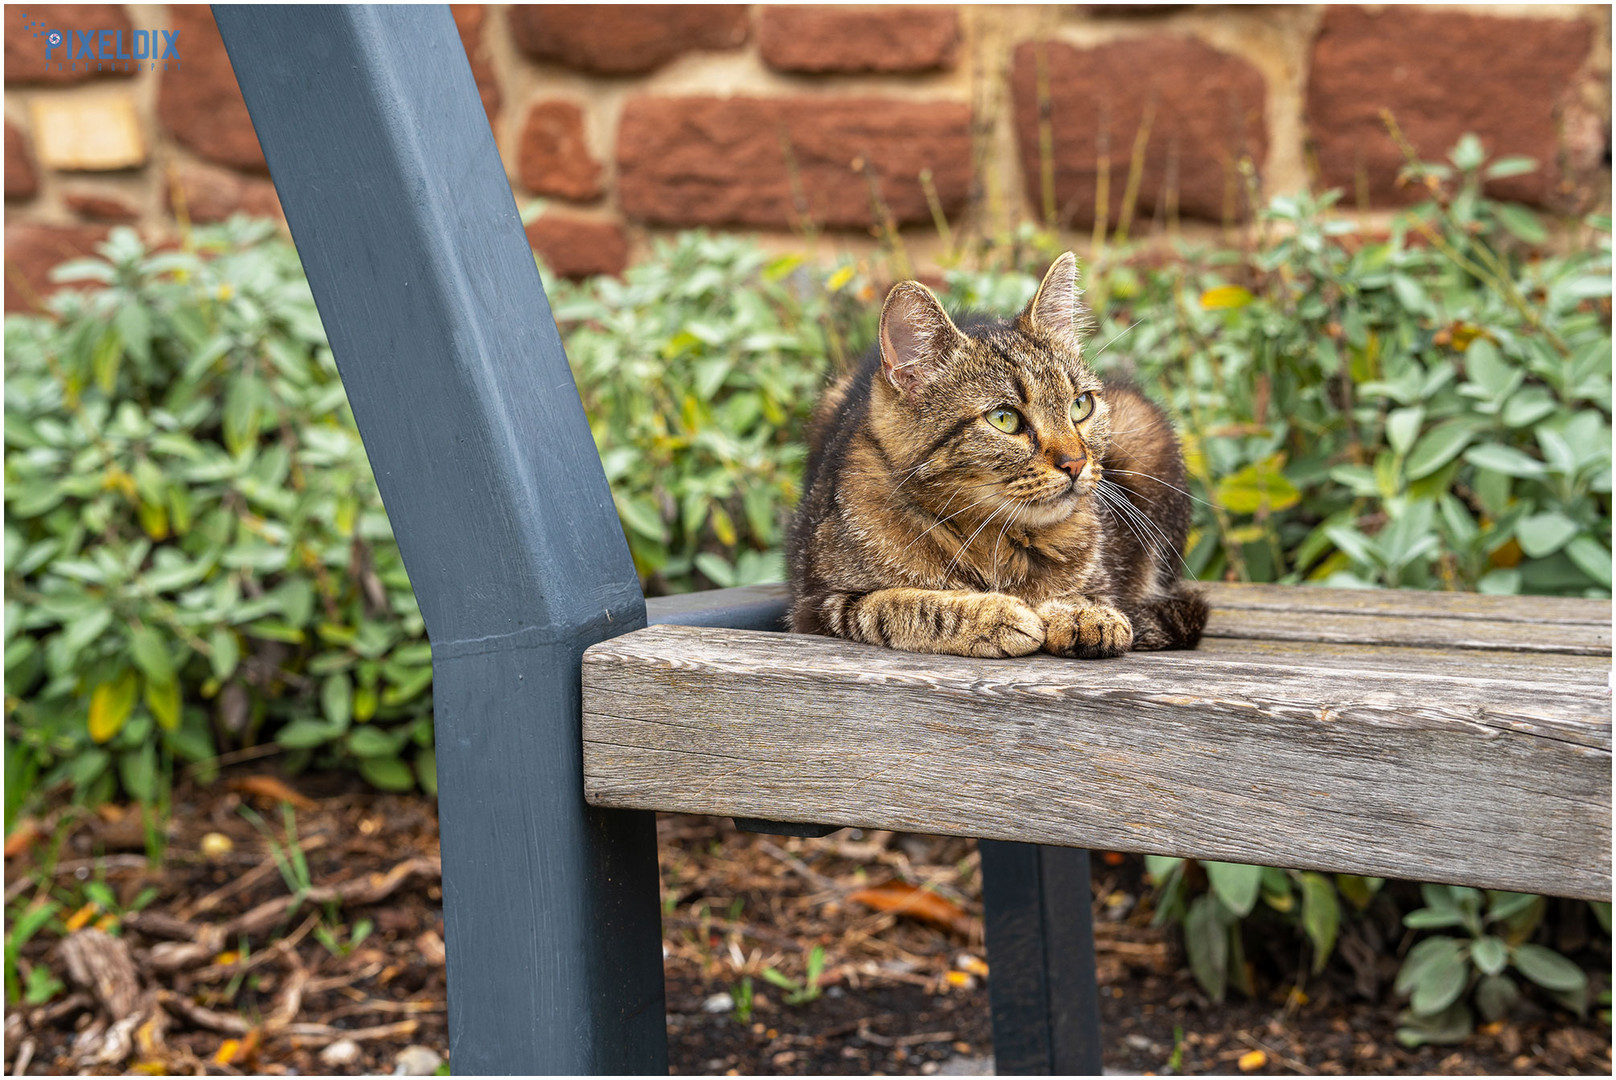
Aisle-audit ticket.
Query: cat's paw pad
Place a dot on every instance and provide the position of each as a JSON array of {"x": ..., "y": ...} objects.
[
  {"x": 1089, "y": 632},
  {"x": 1002, "y": 626}
]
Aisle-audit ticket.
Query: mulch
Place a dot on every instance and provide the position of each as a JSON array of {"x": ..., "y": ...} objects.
[{"x": 226, "y": 971}]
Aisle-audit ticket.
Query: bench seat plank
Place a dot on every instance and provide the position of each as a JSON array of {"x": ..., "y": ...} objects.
[{"x": 1420, "y": 763}]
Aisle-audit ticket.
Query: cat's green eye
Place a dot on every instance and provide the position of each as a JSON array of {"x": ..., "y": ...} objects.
[
  {"x": 1005, "y": 419},
  {"x": 1082, "y": 407}
]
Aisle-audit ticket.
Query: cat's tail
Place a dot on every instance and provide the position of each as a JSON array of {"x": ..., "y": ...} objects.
[{"x": 1174, "y": 621}]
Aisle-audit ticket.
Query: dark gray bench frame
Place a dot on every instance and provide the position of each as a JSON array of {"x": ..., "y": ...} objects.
[{"x": 394, "y": 191}]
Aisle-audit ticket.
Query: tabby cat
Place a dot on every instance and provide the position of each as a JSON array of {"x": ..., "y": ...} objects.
[{"x": 976, "y": 489}]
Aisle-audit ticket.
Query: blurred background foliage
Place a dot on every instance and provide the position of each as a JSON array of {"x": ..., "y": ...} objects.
[{"x": 199, "y": 569}]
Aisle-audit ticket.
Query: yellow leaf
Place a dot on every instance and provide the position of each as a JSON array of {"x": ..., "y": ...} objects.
[
  {"x": 110, "y": 705},
  {"x": 723, "y": 526},
  {"x": 163, "y": 699},
  {"x": 958, "y": 978},
  {"x": 154, "y": 519},
  {"x": 231, "y": 1047},
  {"x": 837, "y": 281},
  {"x": 1225, "y": 297},
  {"x": 229, "y": 956},
  {"x": 1252, "y": 1061},
  {"x": 106, "y": 922},
  {"x": 150, "y": 1068},
  {"x": 364, "y": 703},
  {"x": 79, "y": 918}
]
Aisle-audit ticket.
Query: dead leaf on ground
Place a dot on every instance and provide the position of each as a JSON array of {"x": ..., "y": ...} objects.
[
  {"x": 23, "y": 837},
  {"x": 903, "y": 898},
  {"x": 273, "y": 789}
]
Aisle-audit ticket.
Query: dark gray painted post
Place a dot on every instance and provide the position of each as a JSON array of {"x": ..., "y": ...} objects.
[
  {"x": 404, "y": 219},
  {"x": 1040, "y": 938}
]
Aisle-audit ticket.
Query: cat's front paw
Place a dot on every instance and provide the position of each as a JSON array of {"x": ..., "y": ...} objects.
[
  {"x": 1000, "y": 625},
  {"x": 1086, "y": 631}
]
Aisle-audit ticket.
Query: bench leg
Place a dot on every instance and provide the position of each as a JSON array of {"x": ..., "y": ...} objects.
[{"x": 1040, "y": 937}]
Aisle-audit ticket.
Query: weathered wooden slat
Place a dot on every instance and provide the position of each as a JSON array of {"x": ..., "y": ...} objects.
[
  {"x": 1302, "y": 624},
  {"x": 1446, "y": 605},
  {"x": 1423, "y": 774}
]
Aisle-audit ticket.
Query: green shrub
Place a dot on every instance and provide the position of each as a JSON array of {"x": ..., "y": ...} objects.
[
  {"x": 196, "y": 556},
  {"x": 698, "y": 371}
]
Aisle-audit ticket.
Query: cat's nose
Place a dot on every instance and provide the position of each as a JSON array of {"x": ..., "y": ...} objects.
[{"x": 1069, "y": 464}]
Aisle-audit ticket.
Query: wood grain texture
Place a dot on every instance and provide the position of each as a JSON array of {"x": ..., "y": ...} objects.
[{"x": 1428, "y": 764}]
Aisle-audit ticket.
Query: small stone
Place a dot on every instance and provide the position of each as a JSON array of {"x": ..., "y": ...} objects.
[
  {"x": 416, "y": 1061},
  {"x": 216, "y": 845},
  {"x": 341, "y": 1052},
  {"x": 93, "y": 134},
  {"x": 718, "y": 1003},
  {"x": 432, "y": 948}
]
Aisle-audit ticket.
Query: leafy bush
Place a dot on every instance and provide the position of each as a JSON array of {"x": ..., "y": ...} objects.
[
  {"x": 698, "y": 370},
  {"x": 196, "y": 556}
]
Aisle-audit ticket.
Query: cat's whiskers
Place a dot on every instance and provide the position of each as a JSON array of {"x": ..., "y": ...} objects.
[
  {"x": 1009, "y": 521},
  {"x": 1163, "y": 483},
  {"x": 960, "y": 554},
  {"x": 1113, "y": 340},
  {"x": 1162, "y": 544},
  {"x": 950, "y": 517},
  {"x": 1105, "y": 500}
]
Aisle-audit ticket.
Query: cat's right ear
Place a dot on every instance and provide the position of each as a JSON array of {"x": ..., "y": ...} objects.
[{"x": 917, "y": 336}]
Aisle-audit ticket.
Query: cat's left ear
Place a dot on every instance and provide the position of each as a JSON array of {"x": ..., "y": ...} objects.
[{"x": 1057, "y": 307}]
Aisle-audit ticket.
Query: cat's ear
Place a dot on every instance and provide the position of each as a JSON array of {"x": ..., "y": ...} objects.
[
  {"x": 1057, "y": 307},
  {"x": 917, "y": 336}
]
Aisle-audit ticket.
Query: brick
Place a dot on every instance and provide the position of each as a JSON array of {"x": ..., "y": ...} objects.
[
  {"x": 1208, "y": 111},
  {"x": 88, "y": 134},
  {"x": 469, "y": 21},
  {"x": 201, "y": 103},
  {"x": 624, "y": 39},
  {"x": 21, "y": 180},
  {"x": 101, "y": 205},
  {"x": 575, "y": 247},
  {"x": 553, "y": 157},
  {"x": 1442, "y": 74},
  {"x": 33, "y": 250},
  {"x": 853, "y": 40},
  {"x": 213, "y": 194},
  {"x": 723, "y": 161},
  {"x": 26, "y": 25}
]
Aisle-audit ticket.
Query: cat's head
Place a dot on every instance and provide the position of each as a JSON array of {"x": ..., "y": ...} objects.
[{"x": 998, "y": 410}]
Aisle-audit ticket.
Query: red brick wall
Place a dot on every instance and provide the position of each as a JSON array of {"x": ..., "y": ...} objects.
[{"x": 622, "y": 121}]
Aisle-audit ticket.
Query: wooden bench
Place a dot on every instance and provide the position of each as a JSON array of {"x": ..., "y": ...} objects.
[
  {"x": 1439, "y": 737},
  {"x": 1352, "y": 731}
]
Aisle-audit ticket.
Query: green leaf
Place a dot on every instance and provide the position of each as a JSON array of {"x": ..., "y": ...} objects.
[
  {"x": 163, "y": 701},
  {"x": 1509, "y": 166},
  {"x": 151, "y": 655},
  {"x": 1548, "y": 968},
  {"x": 368, "y": 742},
  {"x": 307, "y": 734},
  {"x": 1506, "y": 460},
  {"x": 225, "y": 652},
  {"x": 1591, "y": 557},
  {"x": 1425, "y": 954},
  {"x": 336, "y": 700},
  {"x": 1545, "y": 533},
  {"x": 426, "y": 769},
  {"x": 1489, "y": 954},
  {"x": 1402, "y": 425},
  {"x": 387, "y": 773},
  {"x": 110, "y": 705},
  {"x": 1236, "y": 884},
  {"x": 1358, "y": 890},
  {"x": 1437, "y": 447},
  {"x": 1451, "y": 1026},
  {"x": 1520, "y": 222},
  {"x": 1440, "y": 984},
  {"x": 1321, "y": 916},
  {"x": 138, "y": 770},
  {"x": 1261, "y": 485},
  {"x": 1208, "y": 946}
]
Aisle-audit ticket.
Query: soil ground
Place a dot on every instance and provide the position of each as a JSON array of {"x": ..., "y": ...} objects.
[{"x": 355, "y": 983}]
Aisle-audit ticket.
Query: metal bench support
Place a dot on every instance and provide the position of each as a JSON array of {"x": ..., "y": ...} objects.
[{"x": 404, "y": 219}]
